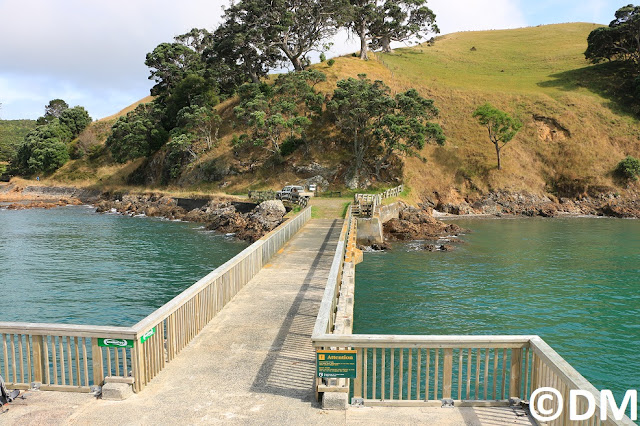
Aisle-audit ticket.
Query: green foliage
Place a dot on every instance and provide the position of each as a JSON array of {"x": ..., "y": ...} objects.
[
  {"x": 281, "y": 111},
  {"x": 75, "y": 119},
  {"x": 629, "y": 168},
  {"x": 44, "y": 149},
  {"x": 191, "y": 92},
  {"x": 53, "y": 110},
  {"x": 290, "y": 145},
  {"x": 260, "y": 33},
  {"x": 400, "y": 21},
  {"x": 380, "y": 126},
  {"x": 12, "y": 133},
  {"x": 323, "y": 57},
  {"x": 618, "y": 41},
  {"x": 500, "y": 125},
  {"x": 3, "y": 168},
  {"x": 170, "y": 63},
  {"x": 138, "y": 134},
  {"x": 330, "y": 62}
]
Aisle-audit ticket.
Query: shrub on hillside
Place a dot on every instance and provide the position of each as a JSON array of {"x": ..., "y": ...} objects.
[
  {"x": 629, "y": 168},
  {"x": 330, "y": 62}
]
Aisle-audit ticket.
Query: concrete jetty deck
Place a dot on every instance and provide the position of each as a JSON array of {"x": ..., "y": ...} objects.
[{"x": 252, "y": 364}]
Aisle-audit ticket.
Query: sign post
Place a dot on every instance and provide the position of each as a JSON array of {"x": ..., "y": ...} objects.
[{"x": 336, "y": 364}]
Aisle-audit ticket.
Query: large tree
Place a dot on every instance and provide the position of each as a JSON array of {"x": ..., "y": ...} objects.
[
  {"x": 400, "y": 21},
  {"x": 279, "y": 112},
  {"x": 620, "y": 40},
  {"x": 500, "y": 125},
  {"x": 381, "y": 22},
  {"x": 170, "y": 63},
  {"x": 294, "y": 27},
  {"x": 238, "y": 52},
  {"x": 53, "y": 110},
  {"x": 379, "y": 125}
]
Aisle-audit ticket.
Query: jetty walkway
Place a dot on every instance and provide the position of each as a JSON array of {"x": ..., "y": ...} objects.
[{"x": 254, "y": 363}]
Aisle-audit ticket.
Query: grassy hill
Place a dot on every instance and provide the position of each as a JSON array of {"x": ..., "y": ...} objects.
[{"x": 577, "y": 124}]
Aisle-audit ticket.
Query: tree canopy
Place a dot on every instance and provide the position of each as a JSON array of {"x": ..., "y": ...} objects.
[
  {"x": 500, "y": 125},
  {"x": 400, "y": 21},
  {"x": 262, "y": 33},
  {"x": 279, "y": 112},
  {"x": 620, "y": 40},
  {"x": 378, "y": 23},
  {"x": 379, "y": 125}
]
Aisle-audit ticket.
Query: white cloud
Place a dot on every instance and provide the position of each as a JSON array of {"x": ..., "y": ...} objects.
[
  {"x": 473, "y": 15},
  {"x": 92, "y": 53}
]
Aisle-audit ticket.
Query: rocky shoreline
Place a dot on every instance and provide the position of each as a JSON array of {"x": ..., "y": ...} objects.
[
  {"x": 220, "y": 215},
  {"x": 246, "y": 221},
  {"x": 610, "y": 204}
]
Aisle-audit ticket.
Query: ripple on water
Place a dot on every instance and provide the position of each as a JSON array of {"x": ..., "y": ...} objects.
[
  {"x": 72, "y": 265},
  {"x": 572, "y": 281}
]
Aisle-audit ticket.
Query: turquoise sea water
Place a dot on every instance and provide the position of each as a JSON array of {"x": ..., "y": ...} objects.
[
  {"x": 72, "y": 265},
  {"x": 575, "y": 282}
]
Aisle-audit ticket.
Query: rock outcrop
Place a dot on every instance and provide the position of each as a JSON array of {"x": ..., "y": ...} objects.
[{"x": 219, "y": 214}]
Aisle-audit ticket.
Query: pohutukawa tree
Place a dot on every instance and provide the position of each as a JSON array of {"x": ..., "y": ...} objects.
[
  {"x": 378, "y": 125},
  {"x": 275, "y": 114},
  {"x": 620, "y": 40},
  {"x": 293, "y": 27},
  {"x": 380, "y": 22},
  {"x": 500, "y": 125},
  {"x": 400, "y": 21}
]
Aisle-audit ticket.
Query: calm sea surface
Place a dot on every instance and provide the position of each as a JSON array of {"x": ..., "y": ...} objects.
[
  {"x": 72, "y": 265},
  {"x": 575, "y": 282}
]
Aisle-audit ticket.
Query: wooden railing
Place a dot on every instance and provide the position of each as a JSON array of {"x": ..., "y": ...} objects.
[
  {"x": 366, "y": 204},
  {"x": 76, "y": 357},
  {"x": 407, "y": 370}
]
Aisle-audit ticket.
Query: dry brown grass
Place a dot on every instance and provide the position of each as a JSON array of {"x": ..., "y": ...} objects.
[{"x": 526, "y": 72}]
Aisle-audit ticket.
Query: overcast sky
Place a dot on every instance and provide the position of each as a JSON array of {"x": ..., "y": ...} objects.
[{"x": 92, "y": 53}]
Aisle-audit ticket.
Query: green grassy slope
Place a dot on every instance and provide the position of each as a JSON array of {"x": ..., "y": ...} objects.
[
  {"x": 583, "y": 127},
  {"x": 577, "y": 123}
]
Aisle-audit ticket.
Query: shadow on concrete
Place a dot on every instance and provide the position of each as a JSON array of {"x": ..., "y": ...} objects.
[{"x": 289, "y": 368}]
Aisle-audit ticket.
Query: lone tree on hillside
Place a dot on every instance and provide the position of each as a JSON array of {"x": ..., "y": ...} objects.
[{"x": 501, "y": 126}]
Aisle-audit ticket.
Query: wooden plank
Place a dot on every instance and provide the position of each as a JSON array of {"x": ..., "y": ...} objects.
[
  {"x": 447, "y": 371},
  {"x": 374, "y": 372},
  {"x": 21, "y": 357},
  {"x": 477, "y": 384},
  {"x": 96, "y": 358},
  {"x": 460, "y": 373},
  {"x": 357, "y": 383},
  {"x": 515, "y": 374},
  {"x": 504, "y": 373},
  {"x": 383, "y": 377},
  {"x": 418, "y": 375},
  {"x": 487, "y": 355},
  {"x": 401, "y": 374},
  {"x": 436, "y": 368},
  {"x": 409, "y": 381}
]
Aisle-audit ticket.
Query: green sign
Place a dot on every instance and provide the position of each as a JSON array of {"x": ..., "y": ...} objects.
[
  {"x": 115, "y": 343},
  {"x": 336, "y": 364},
  {"x": 147, "y": 335}
]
